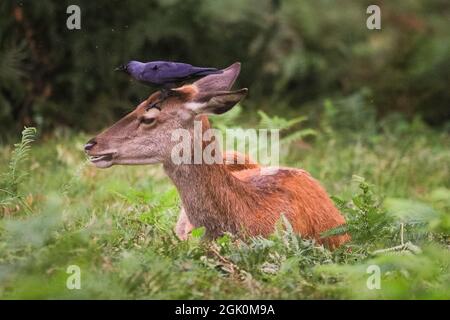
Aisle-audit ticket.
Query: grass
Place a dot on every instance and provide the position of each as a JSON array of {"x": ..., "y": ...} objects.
[{"x": 117, "y": 224}]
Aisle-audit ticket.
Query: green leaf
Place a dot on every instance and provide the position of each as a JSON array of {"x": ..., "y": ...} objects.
[
  {"x": 198, "y": 233},
  {"x": 224, "y": 240},
  {"x": 335, "y": 231}
]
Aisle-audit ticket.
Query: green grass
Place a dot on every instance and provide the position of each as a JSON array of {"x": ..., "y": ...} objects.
[{"x": 117, "y": 225}]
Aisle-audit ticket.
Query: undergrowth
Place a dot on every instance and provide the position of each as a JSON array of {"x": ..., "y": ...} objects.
[{"x": 117, "y": 224}]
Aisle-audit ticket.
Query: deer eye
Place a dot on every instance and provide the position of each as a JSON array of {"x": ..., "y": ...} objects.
[
  {"x": 147, "y": 120},
  {"x": 150, "y": 115}
]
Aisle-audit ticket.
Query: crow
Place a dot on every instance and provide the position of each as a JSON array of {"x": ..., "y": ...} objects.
[{"x": 165, "y": 74}]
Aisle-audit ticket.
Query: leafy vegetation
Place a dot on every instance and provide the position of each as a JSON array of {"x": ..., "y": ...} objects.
[
  {"x": 11, "y": 179},
  {"x": 373, "y": 129},
  {"x": 294, "y": 54},
  {"x": 117, "y": 224}
]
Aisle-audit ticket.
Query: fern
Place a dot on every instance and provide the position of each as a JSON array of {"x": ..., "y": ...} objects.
[
  {"x": 278, "y": 122},
  {"x": 14, "y": 176},
  {"x": 11, "y": 61},
  {"x": 19, "y": 155},
  {"x": 368, "y": 222},
  {"x": 12, "y": 89},
  {"x": 286, "y": 127},
  {"x": 297, "y": 135},
  {"x": 335, "y": 231}
]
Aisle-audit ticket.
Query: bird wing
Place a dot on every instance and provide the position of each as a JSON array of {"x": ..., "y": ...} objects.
[
  {"x": 175, "y": 70},
  {"x": 162, "y": 72}
]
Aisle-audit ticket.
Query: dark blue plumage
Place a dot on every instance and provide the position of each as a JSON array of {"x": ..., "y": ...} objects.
[{"x": 165, "y": 73}]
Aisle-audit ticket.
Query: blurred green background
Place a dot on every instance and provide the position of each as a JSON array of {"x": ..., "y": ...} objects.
[
  {"x": 366, "y": 112},
  {"x": 294, "y": 55}
]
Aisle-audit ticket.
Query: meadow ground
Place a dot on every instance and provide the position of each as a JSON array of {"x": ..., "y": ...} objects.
[{"x": 117, "y": 224}]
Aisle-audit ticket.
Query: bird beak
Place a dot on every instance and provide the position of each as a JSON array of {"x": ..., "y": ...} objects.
[{"x": 121, "y": 68}]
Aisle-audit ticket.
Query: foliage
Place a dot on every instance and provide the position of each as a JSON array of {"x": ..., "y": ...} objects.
[
  {"x": 10, "y": 180},
  {"x": 285, "y": 126},
  {"x": 366, "y": 220},
  {"x": 293, "y": 53},
  {"x": 117, "y": 226},
  {"x": 288, "y": 133},
  {"x": 367, "y": 100}
]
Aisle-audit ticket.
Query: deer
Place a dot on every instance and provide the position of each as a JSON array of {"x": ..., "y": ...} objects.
[{"x": 243, "y": 199}]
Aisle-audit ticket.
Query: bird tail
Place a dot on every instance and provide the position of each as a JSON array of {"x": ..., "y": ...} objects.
[{"x": 198, "y": 71}]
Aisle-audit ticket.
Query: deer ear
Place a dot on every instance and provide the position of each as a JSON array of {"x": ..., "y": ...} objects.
[
  {"x": 217, "y": 102},
  {"x": 219, "y": 81}
]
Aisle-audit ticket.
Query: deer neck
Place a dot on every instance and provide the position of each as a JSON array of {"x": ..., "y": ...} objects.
[{"x": 212, "y": 196}]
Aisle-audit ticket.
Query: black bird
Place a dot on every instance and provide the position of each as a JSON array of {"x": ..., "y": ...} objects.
[{"x": 165, "y": 74}]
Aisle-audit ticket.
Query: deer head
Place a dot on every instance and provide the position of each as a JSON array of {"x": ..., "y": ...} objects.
[{"x": 144, "y": 135}]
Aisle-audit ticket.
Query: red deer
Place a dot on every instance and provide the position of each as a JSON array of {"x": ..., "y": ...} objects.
[{"x": 242, "y": 200}]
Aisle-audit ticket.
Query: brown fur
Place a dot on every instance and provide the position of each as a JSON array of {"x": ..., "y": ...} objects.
[{"x": 248, "y": 202}]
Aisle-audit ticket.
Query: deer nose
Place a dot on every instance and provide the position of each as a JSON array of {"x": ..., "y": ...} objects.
[{"x": 90, "y": 144}]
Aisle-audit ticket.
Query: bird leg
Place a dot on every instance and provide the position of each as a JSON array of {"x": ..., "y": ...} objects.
[{"x": 164, "y": 93}]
